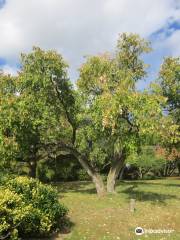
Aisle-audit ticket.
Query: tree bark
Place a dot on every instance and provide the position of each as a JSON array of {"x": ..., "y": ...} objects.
[
  {"x": 95, "y": 176},
  {"x": 117, "y": 165}
]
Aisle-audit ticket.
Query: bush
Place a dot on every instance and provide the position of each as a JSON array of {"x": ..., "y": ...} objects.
[
  {"x": 12, "y": 212},
  {"x": 4, "y": 176},
  {"x": 82, "y": 175},
  {"x": 63, "y": 168},
  {"x": 29, "y": 208}
]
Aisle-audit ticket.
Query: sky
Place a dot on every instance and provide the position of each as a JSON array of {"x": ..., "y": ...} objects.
[{"x": 77, "y": 28}]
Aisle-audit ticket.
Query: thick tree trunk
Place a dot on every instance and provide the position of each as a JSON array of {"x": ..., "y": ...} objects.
[
  {"x": 100, "y": 188},
  {"x": 95, "y": 176},
  {"x": 117, "y": 165}
]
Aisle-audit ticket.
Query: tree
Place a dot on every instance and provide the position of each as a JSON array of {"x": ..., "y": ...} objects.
[
  {"x": 171, "y": 159},
  {"x": 147, "y": 161},
  {"x": 119, "y": 116},
  {"x": 168, "y": 85},
  {"x": 8, "y": 145},
  {"x": 169, "y": 81},
  {"x": 29, "y": 109}
]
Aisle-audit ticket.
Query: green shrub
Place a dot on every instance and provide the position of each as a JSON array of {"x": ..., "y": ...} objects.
[
  {"x": 30, "y": 208},
  {"x": 12, "y": 212},
  {"x": 4, "y": 177},
  {"x": 82, "y": 175}
]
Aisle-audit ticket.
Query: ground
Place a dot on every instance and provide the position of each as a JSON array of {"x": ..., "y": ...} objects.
[{"x": 109, "y": 218}]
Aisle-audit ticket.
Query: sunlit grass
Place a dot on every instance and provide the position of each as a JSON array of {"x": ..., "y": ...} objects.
[{"x": 157, "y": 207}]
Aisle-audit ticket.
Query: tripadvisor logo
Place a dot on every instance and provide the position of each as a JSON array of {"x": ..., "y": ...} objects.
[{"x": 139, "y": 231}]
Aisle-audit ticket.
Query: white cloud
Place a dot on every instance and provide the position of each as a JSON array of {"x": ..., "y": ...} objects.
[
  {"x": 7, "y": 69},
  {"x": 77, "y": 28}
]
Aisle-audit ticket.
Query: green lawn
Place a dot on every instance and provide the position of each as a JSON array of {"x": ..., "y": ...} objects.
[{"x": 157, "y": 207}]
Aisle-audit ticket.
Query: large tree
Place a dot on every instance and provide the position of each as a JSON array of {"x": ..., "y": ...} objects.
[
  {"x": 119, "y": 116},
  {"x": 32, "y": 113}
]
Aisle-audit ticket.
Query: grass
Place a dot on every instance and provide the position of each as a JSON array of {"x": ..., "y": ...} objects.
[{"x": 109, "y": 218}]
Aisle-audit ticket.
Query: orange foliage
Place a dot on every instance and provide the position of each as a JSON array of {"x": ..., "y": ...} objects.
[{"x": 170, "y": 155}]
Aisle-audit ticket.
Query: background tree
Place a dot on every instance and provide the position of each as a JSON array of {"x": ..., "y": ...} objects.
[
  {"x": 8, "y": 144},
  {"x": 31, "y": 113},
  {"x": 147, "y": 163},
  {"x": 168, "y": 85},
  {"x": 169, "y": 81}
]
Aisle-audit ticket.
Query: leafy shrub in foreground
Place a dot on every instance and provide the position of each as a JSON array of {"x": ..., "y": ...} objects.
[{"x": 29, "y": 208}]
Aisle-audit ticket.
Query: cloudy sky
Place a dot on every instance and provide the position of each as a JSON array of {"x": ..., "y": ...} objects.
[{"x": 76, "y": 28}]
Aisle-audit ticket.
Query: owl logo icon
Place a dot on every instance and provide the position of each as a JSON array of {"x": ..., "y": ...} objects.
[{"x": 139, "y": 231}]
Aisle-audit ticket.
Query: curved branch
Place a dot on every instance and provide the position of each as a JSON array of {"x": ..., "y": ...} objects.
[{"x": 71, "y": 122}]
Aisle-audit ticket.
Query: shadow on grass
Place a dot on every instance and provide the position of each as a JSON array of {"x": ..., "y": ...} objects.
[
  {"x": 143, "y": 196},
  {"x": 148, "y": 183},
  {"x": 65, "y": 229},
  {"x": 130, "y": 188},
  {"x": 77, "y": 187}
]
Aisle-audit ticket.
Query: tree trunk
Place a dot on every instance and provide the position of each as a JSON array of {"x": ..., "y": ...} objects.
[
  {"x": 178, "y": 166},
  {"x": 165, "y": 170},
  {"x": 140, "y": 173},
  {"x": 100, "y": 188},
  {"x": 117, "y": 165},
  {"x": 96, "y": 177},
  {"x": 121, "y": 174}
]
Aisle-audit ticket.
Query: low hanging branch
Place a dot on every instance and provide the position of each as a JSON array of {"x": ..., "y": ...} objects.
[
  {"x": 96, "y": 178},
  {"x": 69, "y": 118}
]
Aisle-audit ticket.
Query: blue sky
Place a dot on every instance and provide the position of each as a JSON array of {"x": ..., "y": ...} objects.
[
  {"x": 161, "y": 49},
  {"x": 76, "y": 28},
  {"x": 2, "y": 2}
]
